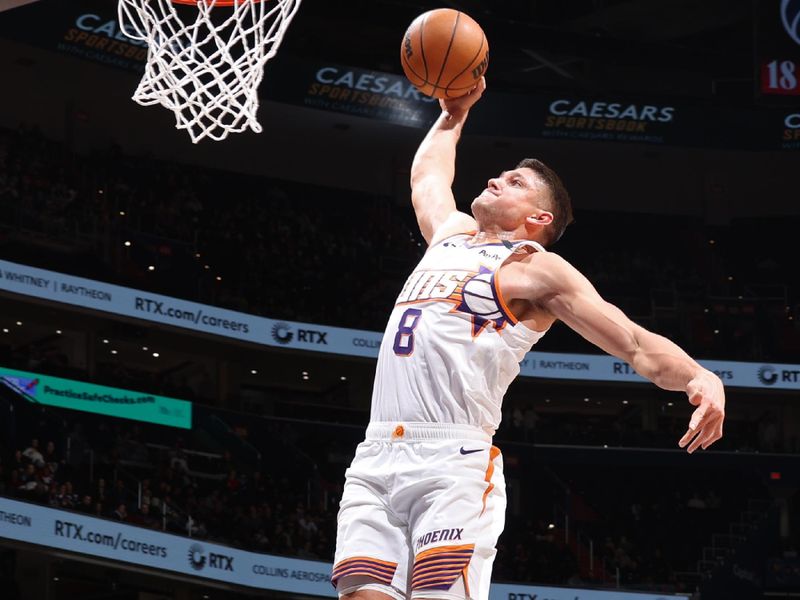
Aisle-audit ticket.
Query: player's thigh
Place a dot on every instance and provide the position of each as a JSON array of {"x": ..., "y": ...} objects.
[
  {"x": 454, "y": 532},
  {"x": 367, "y": 594},
  {"x": 372, "y": 547}
]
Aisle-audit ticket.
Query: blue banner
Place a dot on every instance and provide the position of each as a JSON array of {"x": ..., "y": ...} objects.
[
  {"x": 112, "y": 540},
  {"x": 127, "y": 302}
]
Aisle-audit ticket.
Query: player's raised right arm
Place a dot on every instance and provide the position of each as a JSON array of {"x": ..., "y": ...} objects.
[{"x": 433, "y": 170}]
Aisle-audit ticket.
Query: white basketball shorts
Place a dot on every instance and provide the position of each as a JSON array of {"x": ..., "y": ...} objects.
[{"x": 422, "y": 508}]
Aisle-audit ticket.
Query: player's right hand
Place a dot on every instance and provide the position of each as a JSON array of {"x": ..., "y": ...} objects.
[
  {"x": 705, "y": 392},
  {"x": 458, "y": 107}
]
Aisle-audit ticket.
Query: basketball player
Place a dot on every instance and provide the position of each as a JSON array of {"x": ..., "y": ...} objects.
[{"x": 424, "y": 499}]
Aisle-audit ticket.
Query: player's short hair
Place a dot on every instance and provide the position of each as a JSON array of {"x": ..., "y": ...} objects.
[{"x": 560, "y": 202}]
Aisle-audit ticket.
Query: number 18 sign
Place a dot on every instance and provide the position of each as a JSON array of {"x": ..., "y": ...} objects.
[
  {"x": 780, "y": 77},
  {"x": 779, "y": 47}
]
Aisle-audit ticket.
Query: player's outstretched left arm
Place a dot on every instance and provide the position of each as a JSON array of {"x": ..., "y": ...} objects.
[{"x": 557, "y": 287}]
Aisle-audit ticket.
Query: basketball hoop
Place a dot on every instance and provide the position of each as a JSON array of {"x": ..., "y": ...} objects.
[{"x": 207, "y": 71}]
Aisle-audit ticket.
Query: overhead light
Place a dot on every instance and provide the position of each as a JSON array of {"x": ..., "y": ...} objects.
[
  {"x": 113, "y": 352},
  {"x": 253, "y": 372},
  {"x": 145, "y": 348},
  {"x": 5, "y": 330},
  {"x": 105, "y": 341},
  {"x": 58, "y": 332},
  {"x": 206, "y": 267},
  {"x": 151, "y": 268},
  {"x": 219, "y": 278},
  {"x": 585, "y": 399},
  {"x": 670, "y": 403},
  {"x": 305, "y": 373},
  {"x": 624, "y": 401},
  {"x": 197, "y": 255},
  {"x": 156, "y": 355},
  {"x": 19, "y": 323},
  {"x": 305, "y": 377},
  {"x": 343, "y": 378},
  {"x": 122, "y": 213},
  {"x": 547, "y": 400},
  {"x": 551, "y": 526},
  {"x": 127, "y": 243}
]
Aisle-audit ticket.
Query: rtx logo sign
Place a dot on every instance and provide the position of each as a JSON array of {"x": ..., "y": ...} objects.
[
  {"x": 283, "y": 333},
  {"x": 769, "y": 375},
  {"x": 199, "y": 559}
]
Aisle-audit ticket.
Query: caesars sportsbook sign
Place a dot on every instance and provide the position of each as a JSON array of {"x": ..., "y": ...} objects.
[
  {"x": 90, "y": 30},
  {"x": 86, "y": 294}
]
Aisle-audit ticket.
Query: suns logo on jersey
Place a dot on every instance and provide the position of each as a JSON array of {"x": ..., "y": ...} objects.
[{"x": 472, "y": 293}]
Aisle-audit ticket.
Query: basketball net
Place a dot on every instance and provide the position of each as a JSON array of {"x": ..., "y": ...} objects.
[{"x": 207, "y": 72}]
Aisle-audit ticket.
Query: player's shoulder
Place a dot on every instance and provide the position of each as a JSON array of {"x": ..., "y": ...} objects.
[
  {"x": 550, "y": 267},
  {"x": 546, "y": 259},
  {"x": 455, "y": 223}
]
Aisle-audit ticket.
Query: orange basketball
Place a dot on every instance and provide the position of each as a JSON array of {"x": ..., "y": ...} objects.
[{"x": 444, "y": 53}]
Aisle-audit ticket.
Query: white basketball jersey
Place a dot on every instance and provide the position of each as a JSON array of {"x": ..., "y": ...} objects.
[{"x": 451, "y": 347}]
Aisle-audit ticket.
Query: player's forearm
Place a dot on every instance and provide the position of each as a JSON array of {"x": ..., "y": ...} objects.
[
  {"x": 436, "y": 155},
  {"x": 663, "y": 362}
]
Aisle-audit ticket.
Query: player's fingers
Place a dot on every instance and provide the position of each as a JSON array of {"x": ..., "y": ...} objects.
[
  {"x": 687, "y": 437},
  {"x": 696, "y": 398},
  {"x": 698, "y": 441},
  {"x": 698, "y": 416},
  {"x": 699, "y": 430},
  {"x": 716, "y": 433},
  {"x": 705, "y": 436}
]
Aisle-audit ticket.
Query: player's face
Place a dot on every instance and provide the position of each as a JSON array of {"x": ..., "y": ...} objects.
[{"x": 508, "y": 199}]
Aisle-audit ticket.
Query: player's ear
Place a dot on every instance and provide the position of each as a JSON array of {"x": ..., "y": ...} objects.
[{"x": 542, "y": 218}]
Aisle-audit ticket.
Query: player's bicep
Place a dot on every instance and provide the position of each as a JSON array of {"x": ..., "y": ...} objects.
[
  {"x": 575, "y": 301},
  {"x": 433, "y": 202}
]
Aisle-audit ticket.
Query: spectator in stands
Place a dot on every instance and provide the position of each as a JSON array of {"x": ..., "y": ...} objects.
[
  {"x": 86, "y": 505},
  {"x": 33, "y": 454},
  {"x": 120, "y": 512},
  {"x": 29, "y": 480},
  {"x": 51, "y": 458},
  {"x": 100, "y": 491},
  {"x": 144, "y": 518},
  {"x": 233, "y": 483},
  {"x": 696, "y": 502},
  {"x": 119, "y": 495}
]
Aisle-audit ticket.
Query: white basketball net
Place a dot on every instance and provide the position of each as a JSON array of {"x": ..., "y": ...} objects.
[{"x": 207, "y": 72}]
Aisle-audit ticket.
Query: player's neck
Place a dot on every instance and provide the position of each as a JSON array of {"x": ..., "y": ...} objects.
[{"x": 483, "y": 237}]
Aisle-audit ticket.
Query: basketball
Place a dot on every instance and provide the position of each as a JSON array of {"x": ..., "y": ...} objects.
[{"x": 444, "y": 53}]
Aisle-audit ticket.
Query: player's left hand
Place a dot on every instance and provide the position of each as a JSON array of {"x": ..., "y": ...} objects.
[
  {"x": 705, "y": 392},
  {"x": 457, "y": 107}
]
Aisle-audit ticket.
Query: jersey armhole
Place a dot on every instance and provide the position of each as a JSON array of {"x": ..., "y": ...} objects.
[{"x": 451, "y": 236}]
